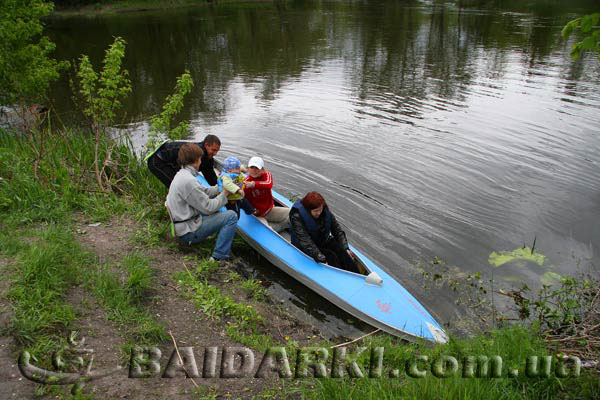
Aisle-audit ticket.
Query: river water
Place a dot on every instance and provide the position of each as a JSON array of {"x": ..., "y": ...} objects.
[{"x": 431, "y": 130}]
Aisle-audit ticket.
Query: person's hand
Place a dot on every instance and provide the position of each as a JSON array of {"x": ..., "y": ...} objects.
[
  {"x": 240, "y": 192},
  {"x": 226, "y": 192},
  {"x": 250, "y": 184},
  {"x": 351, "y": 254},
  {"x": 243, "y": 169}
]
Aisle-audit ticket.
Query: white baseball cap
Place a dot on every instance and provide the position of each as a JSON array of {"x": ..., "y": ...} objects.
[{"x": 256, "y": 162}]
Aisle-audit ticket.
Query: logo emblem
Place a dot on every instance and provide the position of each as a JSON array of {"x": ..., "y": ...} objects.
[
  {"x": 385, "y": 307},
  {"x": 73, "y": 364}
]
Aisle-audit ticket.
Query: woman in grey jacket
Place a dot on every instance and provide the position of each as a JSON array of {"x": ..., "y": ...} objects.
[{"x": 194, "y": 208}]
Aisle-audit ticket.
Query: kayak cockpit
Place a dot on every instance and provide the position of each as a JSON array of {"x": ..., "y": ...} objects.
[{"x": 364, "y": 270}]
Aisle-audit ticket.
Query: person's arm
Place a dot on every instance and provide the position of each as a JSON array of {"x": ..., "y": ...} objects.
[
  {"x": 266, "y": 181},
  {"x": 306, "y": 244},
  {"x": 213, "y": 191},
  {"x": 197, "y": 197},
  {"x": 229, "y": 185},
  {"x": 208, "y": 171},
  {"x": 338, "y": 233}
]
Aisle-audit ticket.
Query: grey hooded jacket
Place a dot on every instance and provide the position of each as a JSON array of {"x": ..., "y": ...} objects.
[{"x": 188, "y": 200}]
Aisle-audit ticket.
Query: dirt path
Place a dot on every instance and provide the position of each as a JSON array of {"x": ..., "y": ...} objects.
[{"x": 110, "y": 242}]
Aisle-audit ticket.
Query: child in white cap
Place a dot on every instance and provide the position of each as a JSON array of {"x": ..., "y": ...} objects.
[{"x": 258, "y": 185}]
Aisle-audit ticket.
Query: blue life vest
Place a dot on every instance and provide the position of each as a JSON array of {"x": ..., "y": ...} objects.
[{"x": 311, "y": 225}]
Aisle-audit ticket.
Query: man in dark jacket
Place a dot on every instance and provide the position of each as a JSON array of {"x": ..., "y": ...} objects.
[
  {"x": 163, "y": 162},
  {"x": 317, "y": 233}
]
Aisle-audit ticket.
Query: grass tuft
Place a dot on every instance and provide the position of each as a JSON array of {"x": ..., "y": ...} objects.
[
  {"x": 140, "y": 276},
  {"x": 254, "y": 289},
  {"x": 513, "y": 344},
  {"x": 121, "y": 300},
  {"x": 46, "y": 269},
  {"x": 244, "y": 320}
]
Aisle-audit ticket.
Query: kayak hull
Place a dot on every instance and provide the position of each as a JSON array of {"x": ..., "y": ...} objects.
[{"x": 387, "y": 306}]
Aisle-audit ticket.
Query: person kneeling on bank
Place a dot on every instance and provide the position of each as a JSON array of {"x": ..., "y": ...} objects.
[{"x": 194, "y": 208}]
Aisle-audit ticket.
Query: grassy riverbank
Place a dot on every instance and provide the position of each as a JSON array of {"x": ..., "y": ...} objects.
[
  {"x": 75, "y": 258},
  {"x": 437, "y": 379},
  {"x": 138, "y": 284}
]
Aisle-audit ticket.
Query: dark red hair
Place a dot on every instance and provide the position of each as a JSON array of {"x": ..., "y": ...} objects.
[{"x": 313, "y": 200}]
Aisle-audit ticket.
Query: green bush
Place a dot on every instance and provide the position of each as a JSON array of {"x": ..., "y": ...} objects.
[{"x": 26, "y": 69}]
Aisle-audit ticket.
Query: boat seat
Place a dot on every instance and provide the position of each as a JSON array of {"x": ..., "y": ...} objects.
[{"x": 286, "y": 235}]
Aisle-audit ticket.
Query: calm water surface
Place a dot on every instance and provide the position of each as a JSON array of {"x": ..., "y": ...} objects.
[{"x": 431, "y": 130}]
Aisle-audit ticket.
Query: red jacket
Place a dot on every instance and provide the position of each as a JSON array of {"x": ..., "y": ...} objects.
[{"x": 260, "y": 195}]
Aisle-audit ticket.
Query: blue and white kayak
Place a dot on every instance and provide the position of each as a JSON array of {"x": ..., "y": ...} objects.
[{"x": 375, "y": 297}]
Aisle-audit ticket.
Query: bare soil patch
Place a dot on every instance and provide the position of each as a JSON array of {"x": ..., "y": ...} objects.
[{"x": 111, "y": 242}]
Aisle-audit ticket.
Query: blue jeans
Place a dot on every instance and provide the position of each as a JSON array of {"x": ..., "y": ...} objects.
[{"x": 225, "y": 223}]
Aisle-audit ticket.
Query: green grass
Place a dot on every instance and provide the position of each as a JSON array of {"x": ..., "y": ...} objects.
[
  {"x": 244, "y": 322},
  {"x": 48, "y": 267},
  {"x": 513, "y": 344},
  {"x": 122, "y": 298},
  {"x": 140, "y": 276},
  {"x": 47, "y": 264},
  {"x": 100, "y": 207},
  {"x": 27, "y": 199},
  {"x": 151, "y": 235},
  {"x": 241, "y": 333},
  {"x": 205, "y": 268},
  {"x": 233, "y": 277},
  {"x": 215, "y": 304},
  {"x": 254, "y": 289},
  {"x": 11, "y": 240},
  {"x": 66, "y": 182}
]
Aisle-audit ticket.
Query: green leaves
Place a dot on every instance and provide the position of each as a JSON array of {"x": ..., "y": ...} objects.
[
  {"x": 161, "y": 125},
  {"x": 588, "y": 43},
  {"x": 102, "y": 93},
  {"x": 26, "y": 69},
  {"x": 568, "y": 29},
  {"x": 102, "y": 96},
  {"x": 586, "y": 24},
  {"x": 589, "y": 21},
  {"x": 88, "y": 80}
]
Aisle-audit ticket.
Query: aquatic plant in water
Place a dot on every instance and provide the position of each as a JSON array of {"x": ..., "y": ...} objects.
[{"x": 525, "y": 253}]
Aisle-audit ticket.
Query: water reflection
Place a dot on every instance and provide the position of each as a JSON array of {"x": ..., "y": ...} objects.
[{"x": 432, "y": 129}]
